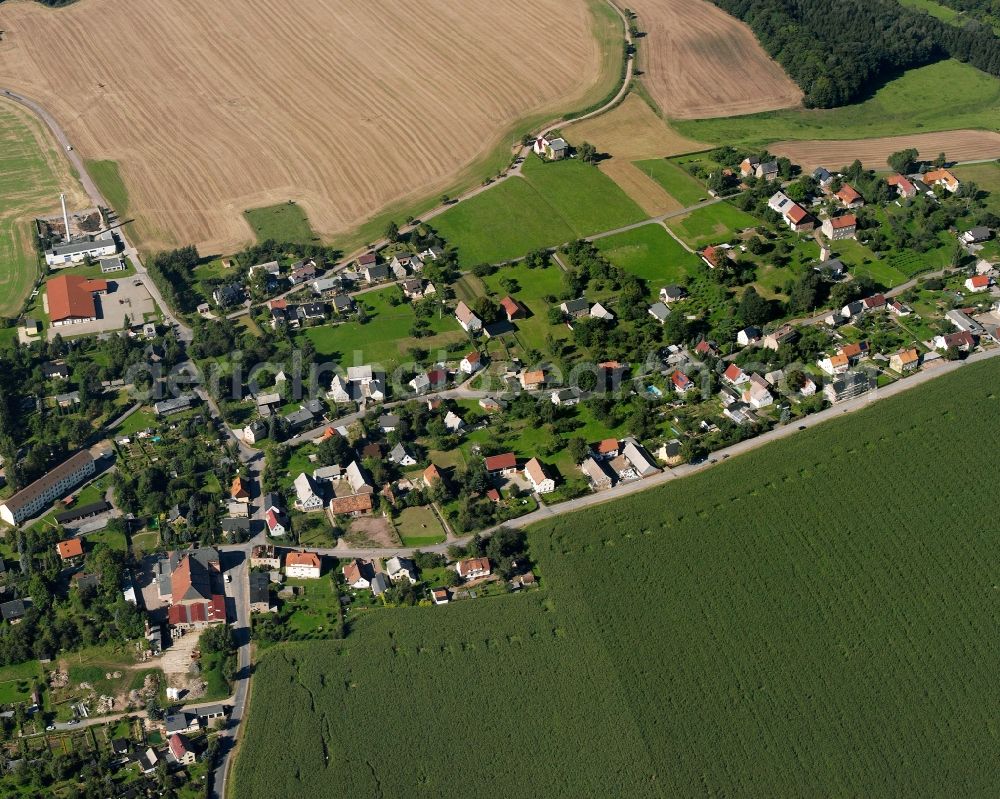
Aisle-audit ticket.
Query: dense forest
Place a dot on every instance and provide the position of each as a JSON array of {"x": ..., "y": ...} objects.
[{"x": 838, "y": 51}]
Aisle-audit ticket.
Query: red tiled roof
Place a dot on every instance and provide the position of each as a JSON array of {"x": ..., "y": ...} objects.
[
  {"x": 607, "y": 446},
  {"x": 71, "y": 548},
  {"x": 304, "y": 558},
  {"x": 796, "y": 213},
  {"x": 466, "y": 567},
  {"x": 72, "y": 297},
  {"x": 177, "y": 747},
  {"x": 281, "y": 302},
  {"x": 847, "y": 220},
  {"x": 680, "y": 380},
  {"x": 473, "y": 357},
  {"x": 495, "y": 463},
  {"x": 510, "y": 305},
  {"x": 979, "y": 281},
  {"x": 848, "y": 195},
  {"x": 733, "y": 372},
  {"x": 351, "y": 504},
  {"x": 431, "y": 474},
  {"x": 493, "y": 495}
]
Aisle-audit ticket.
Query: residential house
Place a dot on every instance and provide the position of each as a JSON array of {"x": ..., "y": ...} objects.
[
  {"x": 275, "y": 525},
  {"x": 388, "y": 422},
  {"x": 357, "y": 479},
  {"x": 961, "y": 320},
  {"x": 401, "y": 456},
  {"x": 942, "y": 177},
  {"x": 367, "y": 260},
  {"x": 380, "y": 584},
  {"x": 304, "y": 272},
  {"x": 343, "y": 304},
  {"x": 975, "y": 235},
  {"x": 898, "y": 308},
  {"x": 734, "y": 376},
  {"x": 672, "y": 293},
  {"x": 352, "y": 505},
  {"x": 849, "y": 386},
  {"x": 512, "y": 308},
  {"x": 706, "y": 349},
  {"x": 670, "y": 452},
  {"x": 636, "y": 455},
  {"x": 540, "y": 481},
  {"x": 467, "y": 319},
  {"x": 238, "y": 508},
  {"x": 904, "y": 361},
  {"x": 238, "y": 490},
  {"x": 453, "y": 422},
  {"x": 254, "y": 432},
  {"x": 823, "y": 176},
  {"x": 793, "y": 214},
  {"x": 832, "y": 269},
  {"x": 264, "y": 556},
  {"x": 554, "y": 149},
  {"x": 681, "y": 382},
  {"x": 431, "y": 475},
  {"x": 748, "y": 166},
  {"x": 876, "y": 302},
  {"x": 623, "y": 469},
  {"x": 840, "y": 227},
  {"x": 70, "y": 550},
  {"x": 597, "y": 473},
  {"x": 55, "y": 370},
  {"x": 471, "y": 363},
  {"x": 607, "y": 449},
  {"x": 260, "y": 593},
  {"x": 306, "y": 498},
  {"x": 598, "y": 311},
  {"x": 532, "y": 380},
  {"x": 575, "y": 309},
  {"x": 228, "y": 295},
  {"x": 400, "y": 569},
  {"x": 296, "y": 420},
  {"x": 376, "y": 273},
  {"x": 777, "y": 338},
  {"x": 504, "y": 465},
  {"x": 491, "y": 404},
  {"x": 565, "y": 397},
  {"x": 659, "y": 311},
  {"x": 978, "y": 283},
  {"x": 748, "y": 336},
  {"x": 903, "y": 186},
  {"x": 440, "y": 596},
  {"x": 757, "y": 393},
  {"x": 473, "y": 568},
  {"x": 310, "y": 312},
  {"x": 358, "y": 573},
  {"x": 303, "y": 565},
  {"x": 963, "y": 341},
  {"x": 849, "y": 197}
]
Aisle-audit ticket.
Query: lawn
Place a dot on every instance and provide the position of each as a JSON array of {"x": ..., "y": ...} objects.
[
  {"x": 727, "y": 634},
  {"x": 987, "y": 177},
  {"x": 419, "y": 527},
  {"x": 140, "y": 420},
  {"x": 944, "y": 96},
  {"x": 678, "y": 183},
  {"x": 551, "y": 204},
  {"x": 505, "y": 222},
  {"x": 712, "y": 224},
  {"x": 943, "y": 13},
  {"x": 581, "y": 194},
  {"x": 16, "y": 681},
  {"x": 650, "y": 253},
  {"x": 108, "y": 178},
  {"x": 30, "y": 182},
  {"x": 314, "y": 610},
  {"x": 383, "y": 339},
  {"x": 285, "y": 222}
]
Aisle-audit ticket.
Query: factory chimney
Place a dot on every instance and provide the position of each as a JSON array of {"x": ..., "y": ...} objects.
[{"x": 62, "y": 199}]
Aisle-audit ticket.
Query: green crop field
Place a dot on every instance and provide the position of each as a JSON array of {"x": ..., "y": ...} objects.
[
  {"x": 817, "y": 617},
  {"x": 551, "y": 204},
  {"x": 29, "y": 185},
  {"x": 651, "y": 253},
  {"x": 678, "y": 183},
  {"x": 285, "y": 222},
  {"x": 944, "y": 96},
  {"x": 710, "y": 225}
]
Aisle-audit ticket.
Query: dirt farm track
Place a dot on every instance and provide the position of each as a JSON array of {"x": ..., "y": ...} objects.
[
  {"x": 958, "y": 145},
  {"x": 347, "y": 107}
]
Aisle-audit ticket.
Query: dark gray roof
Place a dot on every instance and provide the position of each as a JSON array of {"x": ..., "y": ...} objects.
[
  {"x": 260, "y": 590},
  {"x": 380, "y": 583}
]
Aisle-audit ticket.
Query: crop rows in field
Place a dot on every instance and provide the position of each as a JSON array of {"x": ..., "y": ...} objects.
[{"x": 816, "y": 617}]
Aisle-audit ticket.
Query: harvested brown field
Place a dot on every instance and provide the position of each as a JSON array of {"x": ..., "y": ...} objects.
[
  {"x": 634, "y": 132},
  {"x": 346, "y": 107},
  {"x": 957, "y": 145},
  {"x": 700, "y": 62}
]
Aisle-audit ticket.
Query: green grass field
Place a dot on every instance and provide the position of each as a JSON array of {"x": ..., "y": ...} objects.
[
  {"x": 650, "y": 253},
  {"x": 678, "y": 183},
  {"x": 942, "y": 96},
  {"x": 285, "y": 222},
  {"x": 29, "y": 186},
  {"x": 710, "y": 225},
  {"x": 769, "y": 627},
  {"x": 385, "y": 337},
  {"x": 943, "y": 13},
  {"x": 553, "y": 203},
  {"x": 419, "y": 527},
  {"x": 987, "y": 177},
  {"x": 108, "y": 178}
]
